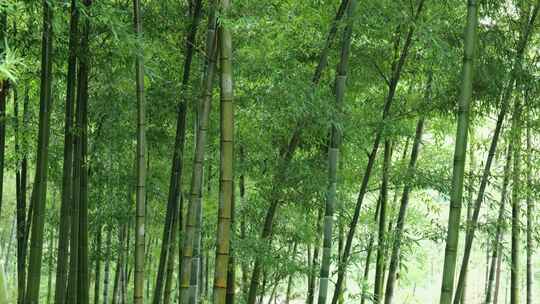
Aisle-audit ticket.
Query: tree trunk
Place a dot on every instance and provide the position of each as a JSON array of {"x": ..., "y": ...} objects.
[
  {"x": 4, "y": 92},
  {"x": 396, "y": 74},
  {"x": 117, "y": 279},
  {"x": 460, "y": 153},
  {"x": 226, "y": 184},
  {"x": 40, "y": 181},
  {"x": 500, "y": 222},
  {"x": 407, "y": 188},
  {"x": 50, "y": 267},
  {"x": 333, "y": 153},
  {"x": 83, "y": 272},
  {"x": 522, "y": 44},
  {"x": 515, "y": 270},
  {"x": 369, "y": 252},
  {"x": 168, "y": 241},
  {"x": 470, "y": 202},
  {"x": 498, "y": 279},
  {"x": 242, "y": 192},
  {"x": 530, "y": 210},
  {"x": 73, "y": 280},
  {"x": 231, "y": 270},
  {"x": 314, "y": 260},
  {"x": 400, "y": 222},
  {"x": 138, "y": 294},
  {"x": 191, "y": 241},
  {"x": 65, "y": 212},
  {"x": 97, "y": 277},
  {"x": 290, "y": 279},
  {"x": 381, "y": 241},
  {"x": 20, "y": 179},
  {"x": 176, "y": 222},
  {"x": 106, "y": 271}
]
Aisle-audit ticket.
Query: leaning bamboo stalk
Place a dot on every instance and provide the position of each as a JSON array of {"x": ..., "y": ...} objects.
[
  {"x": 191, "y": 238},
  {"x": 333, "y": 154},
  {"x": 456, "y": 195}
]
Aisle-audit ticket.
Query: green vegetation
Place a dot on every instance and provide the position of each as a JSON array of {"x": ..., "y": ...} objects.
[{"x": 254, "y": 152}]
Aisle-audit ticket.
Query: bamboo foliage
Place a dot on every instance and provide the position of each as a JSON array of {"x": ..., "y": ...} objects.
[
  {"x": 396, "y": 75},
  {"x": 286, "y": 154}
]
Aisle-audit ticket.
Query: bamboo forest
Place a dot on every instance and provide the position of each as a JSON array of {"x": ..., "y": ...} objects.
[{"x": 269, "y": 152}]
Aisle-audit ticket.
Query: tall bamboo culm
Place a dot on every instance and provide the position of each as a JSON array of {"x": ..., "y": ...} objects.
[
  {"x": 460, "y": 153},
  {"x": 39, "y": 196},
  {"x": 65, "y": 216},
  {"x": 333, "y": 153},
  {"x": 515, "y": 257},
  {"x": 138, "y": 293},
  {"x": 191, "y": 238},
  {"x": 226, "y": 188}
]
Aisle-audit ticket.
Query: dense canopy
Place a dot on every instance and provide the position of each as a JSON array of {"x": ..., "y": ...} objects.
[{"x": 278, "y": 151}]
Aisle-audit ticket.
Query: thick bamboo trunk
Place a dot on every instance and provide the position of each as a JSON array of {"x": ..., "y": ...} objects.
[
  {"x": 82, "y": 89},
  {"x": 73, "y": 279},
  {"x": 65, "y": 212},
  {"x": 40, "y": 181},
  {"x": 333, "y": 154},
  {"x": 226, "y": 184},
  {"x": 189, "y": 270},
  {"x": 460, "y": 153}
]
